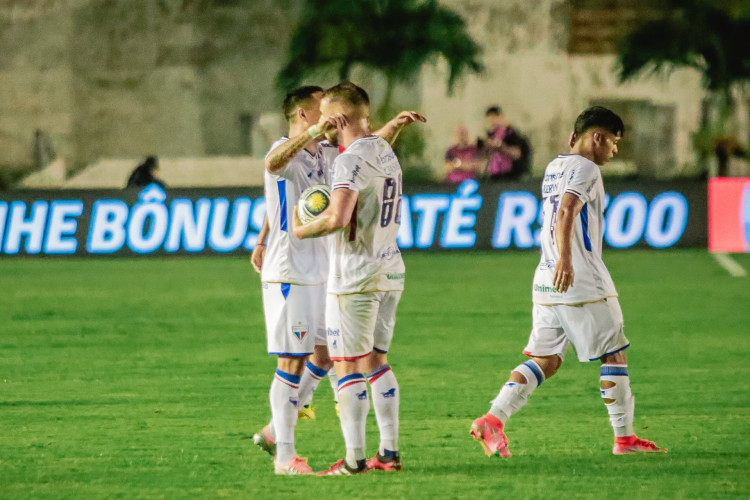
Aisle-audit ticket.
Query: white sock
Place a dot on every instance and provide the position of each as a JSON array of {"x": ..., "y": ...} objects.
[
  {"x": 284, "y": 406},
  {"x": 514, "y": 395},
  {"x": 354, "y": 405},
  {"x": 309, "y": 382},
  {"x": 385, "y": 399},
  {"x": 622, "y": 409},
  {"x": 334, "y": 380}
]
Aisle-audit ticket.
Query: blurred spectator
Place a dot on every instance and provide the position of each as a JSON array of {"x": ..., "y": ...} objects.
[
  {"x": 145, "y": 174},
  {"x": 42, "y": 153},
  {"x": 509, "y": 153},
  {"x": 464, "y": 159}
]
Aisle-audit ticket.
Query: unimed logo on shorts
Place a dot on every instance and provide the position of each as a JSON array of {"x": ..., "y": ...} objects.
[{"x": 729, "y": 214}]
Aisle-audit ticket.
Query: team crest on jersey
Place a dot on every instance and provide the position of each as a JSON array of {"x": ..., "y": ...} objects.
[{"x": 299, "y": 331}]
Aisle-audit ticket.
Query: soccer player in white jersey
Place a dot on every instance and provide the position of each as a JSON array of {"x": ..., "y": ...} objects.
[
  {"x": 294, "y": 272},
  {"x": 575, "y": 301},
  {"x": 366, "y": 278}
]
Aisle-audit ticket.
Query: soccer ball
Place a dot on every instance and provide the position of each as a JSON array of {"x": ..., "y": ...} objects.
[{"x": 313, "y": 201}]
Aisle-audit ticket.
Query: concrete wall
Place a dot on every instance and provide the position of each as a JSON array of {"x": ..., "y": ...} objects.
[{"x": 540, "y": 87}]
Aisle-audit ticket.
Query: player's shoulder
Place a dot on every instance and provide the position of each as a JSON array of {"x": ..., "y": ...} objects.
[
  {"x": 276, "y": 144},
  {"x": 579, "y": 165}
]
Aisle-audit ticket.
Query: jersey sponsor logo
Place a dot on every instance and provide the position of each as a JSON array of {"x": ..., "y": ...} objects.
[
  {"x": 332, "y": 333},
  {"x": 299, "y": 331},
  {"x": 547, "y": 264},
  {"x": 395, "y": 276},
  {"x": 355, "y": 173},
  {"x": 545, "y": 289},
  {"x": 389, "y": 253}
]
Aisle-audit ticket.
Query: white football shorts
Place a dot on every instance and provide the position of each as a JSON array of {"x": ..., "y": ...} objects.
[
  {"x": 295, "y": 318},
  {"x": 594, "y": 329},
  {"x": 357, "y": 323}
]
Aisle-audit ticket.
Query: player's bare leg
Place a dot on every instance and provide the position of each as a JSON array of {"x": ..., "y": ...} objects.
[
  {"x": 355, "y": 406},
  {"x": 385, "y": 398},
  {"x": 316, "y": 368},
  {"x": 523, "y": 380},
  {"x": 618, "y": 398}
]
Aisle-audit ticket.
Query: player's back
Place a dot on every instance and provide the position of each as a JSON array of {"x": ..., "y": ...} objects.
[
  {"x": 581, "y": 177},
  {"x": 289, "y": 259},
  {"x": 365, "y": 257}
]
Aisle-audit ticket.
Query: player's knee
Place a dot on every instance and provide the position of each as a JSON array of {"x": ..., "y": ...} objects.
[
  {"x": 378, "y": 359},
  {"x": 292, "y": 364},
  {"x": 321, "y": 359},
  {"x": 549, "y": 365}
]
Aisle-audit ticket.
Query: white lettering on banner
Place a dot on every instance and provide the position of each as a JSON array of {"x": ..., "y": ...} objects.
[
  {"x": 63, "y": 226},
  {"x": 458, "y": 226},
  {"x": 225, "y": 224},
  {"x": 149, "y": 220},
  {"x": 516, "y": 212},
  {"x": 32, "y": 227},
  {"x": 626, "y": 219},
  {"x": 107, "y": 228},
  {"x": 428, "y": 206},
  {"x": 187, "y": 230},
  {"x": 219, "y": 240},
  {"x": 667, "y": 219}
]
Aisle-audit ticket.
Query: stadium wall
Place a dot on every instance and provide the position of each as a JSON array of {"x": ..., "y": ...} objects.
[{"x": 468, "y": 217}]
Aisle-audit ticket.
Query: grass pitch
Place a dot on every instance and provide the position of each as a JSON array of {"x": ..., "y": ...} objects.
[{"x": 146, "y": 378}]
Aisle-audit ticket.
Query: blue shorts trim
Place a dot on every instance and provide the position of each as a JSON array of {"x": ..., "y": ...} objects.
[
  {"x": 292, "y": 354},
  {"x": 610, "y": 353}
]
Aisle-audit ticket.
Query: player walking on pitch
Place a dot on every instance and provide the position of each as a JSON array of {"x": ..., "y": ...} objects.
[
  {"x": 366, "y": 278},
  {"x": 575, "y": 301}
]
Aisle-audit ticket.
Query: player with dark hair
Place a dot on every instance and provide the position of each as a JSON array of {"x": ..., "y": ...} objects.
[
  {"x": 366, "y": 278},
  {"x": 575, "y": 301},
  {"x": 294, "y": 272}
]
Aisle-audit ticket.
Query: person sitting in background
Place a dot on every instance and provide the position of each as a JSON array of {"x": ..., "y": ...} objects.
[
  {"x": 145, "y": 174},
  {"x": 504, "y": 145},
  {"x": 463, "y": 160}
]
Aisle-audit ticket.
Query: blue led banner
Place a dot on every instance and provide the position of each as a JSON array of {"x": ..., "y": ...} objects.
[{"x": 227, "y": 221}]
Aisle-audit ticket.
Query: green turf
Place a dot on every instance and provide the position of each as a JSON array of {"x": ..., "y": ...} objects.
[{"x": 146, "y": 379}]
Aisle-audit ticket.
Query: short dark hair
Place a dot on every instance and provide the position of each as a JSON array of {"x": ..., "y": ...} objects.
[
  {"x": 598, "y": 117},
  {"x": 348, "y": 92},
  {"x": 296, "y": 97},
  {"x": 494, "y": 110}
]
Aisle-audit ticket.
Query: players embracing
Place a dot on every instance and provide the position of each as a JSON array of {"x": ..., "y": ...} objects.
[
  {"x": 366, "y": 278},
  {"x": 294, "y": 272}
]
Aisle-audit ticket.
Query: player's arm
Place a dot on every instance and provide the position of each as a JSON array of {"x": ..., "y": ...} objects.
[
  {"x": 259, "y": 252},
  {"x": 277, "y": 159},
  {"x": 337, "y": 216},
  {"x": 390, "y": 130},
  {"x": 570, "y": 207}
]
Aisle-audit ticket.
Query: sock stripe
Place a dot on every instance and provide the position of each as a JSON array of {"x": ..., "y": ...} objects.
[
  {"x": 615, "y": 370},
  {"x": 536, "y": 371},
  {"x": 317, "y": 372},
  {"x": 288, "y": 378},
  {"x": 351, "y": 379},
  {"x": 378, "y": 372}
]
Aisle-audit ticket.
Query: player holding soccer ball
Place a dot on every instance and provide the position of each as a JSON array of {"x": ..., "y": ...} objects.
[
  {"x": 294, "y": 272},
  {"x": 366, "y": 278},
  {"x": 575, "y": 301}
]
